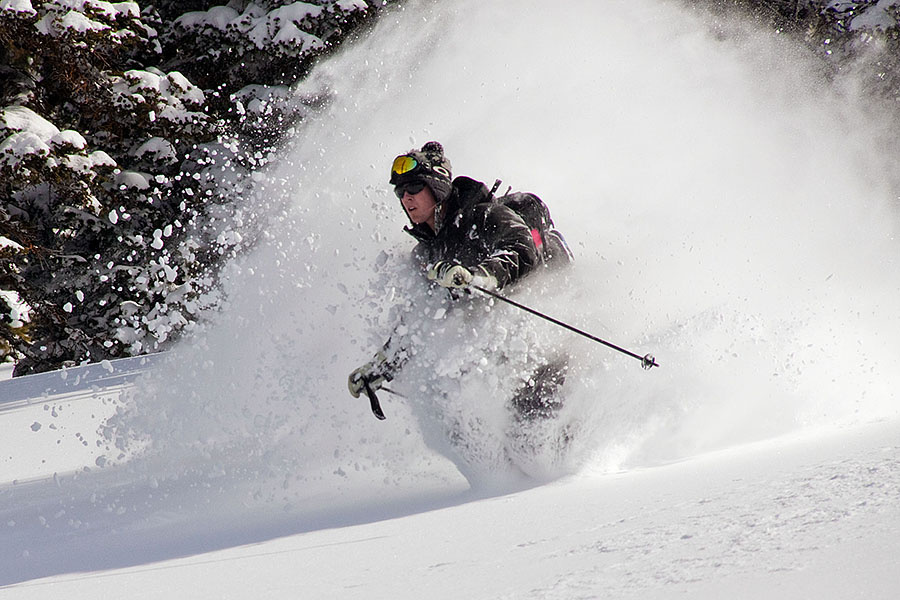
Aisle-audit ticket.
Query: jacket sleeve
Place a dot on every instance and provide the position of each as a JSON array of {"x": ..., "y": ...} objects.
[{"x": 510, "y": 249}]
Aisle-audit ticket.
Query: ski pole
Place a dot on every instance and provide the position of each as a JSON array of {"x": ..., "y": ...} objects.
[{"x": 647, "y": 361}]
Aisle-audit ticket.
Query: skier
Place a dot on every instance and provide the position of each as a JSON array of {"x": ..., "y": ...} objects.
[{"x": 465, "y": 237}]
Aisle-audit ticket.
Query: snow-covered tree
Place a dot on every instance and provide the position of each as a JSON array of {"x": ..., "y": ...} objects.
[
  {"x": 858, "y": 35},
  {"x": 127, "y": 138}
]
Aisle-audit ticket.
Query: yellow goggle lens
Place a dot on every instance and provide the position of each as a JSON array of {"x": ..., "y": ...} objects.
[{"x": 404, "y": 164}]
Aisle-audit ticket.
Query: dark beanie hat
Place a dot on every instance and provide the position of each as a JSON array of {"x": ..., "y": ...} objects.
[{"x": 432, "y": 168}]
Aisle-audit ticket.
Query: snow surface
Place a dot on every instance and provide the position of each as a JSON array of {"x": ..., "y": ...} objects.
[
  {"x": 32, "y": 133},
  {"x": 18, "y": 6},
  {"x": 69, "y": 138},
  {"x": 64, "y": 17},
  {"x": 22, "y": 118},
  {"x": 281, "y": 25},
  {"x": 729, "y": 213},
  {"x": 19, "y": 312}
]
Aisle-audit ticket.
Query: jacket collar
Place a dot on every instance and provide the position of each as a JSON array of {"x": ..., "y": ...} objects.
[{"x": 466, "y": 192}]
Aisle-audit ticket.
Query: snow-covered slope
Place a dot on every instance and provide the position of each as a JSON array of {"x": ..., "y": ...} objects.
[
  {"x": 810, "y": 516},
  {"x": 730, "y": 213},
  {"x": 51, "y": 420}
]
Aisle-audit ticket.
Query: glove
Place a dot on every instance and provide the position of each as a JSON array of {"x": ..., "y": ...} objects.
[
  {"x": 455, "y": 276},
  {"x": 375, "y": 372},
  {"x": 449, "y": 275}
]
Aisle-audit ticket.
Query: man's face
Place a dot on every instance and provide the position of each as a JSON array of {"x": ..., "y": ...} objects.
[{"x": 420, "y": 206}]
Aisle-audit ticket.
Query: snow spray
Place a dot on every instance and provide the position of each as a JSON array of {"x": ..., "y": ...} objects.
[{"x": 727, "y": 207}]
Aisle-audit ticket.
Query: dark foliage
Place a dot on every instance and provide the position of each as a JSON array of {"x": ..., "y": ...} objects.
[{"x": 127, "y": 141}]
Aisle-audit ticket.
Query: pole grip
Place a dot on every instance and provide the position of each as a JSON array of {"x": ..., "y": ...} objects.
[{"x": 373, "y": 401}]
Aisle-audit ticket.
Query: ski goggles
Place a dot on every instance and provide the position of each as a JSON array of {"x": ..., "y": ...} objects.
[
  {"x": 403, "y": 165},
  {"x": 411, "y": 188}
]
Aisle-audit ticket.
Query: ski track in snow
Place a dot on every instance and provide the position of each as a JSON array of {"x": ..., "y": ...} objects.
[{"x": 729, "y": 213}]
